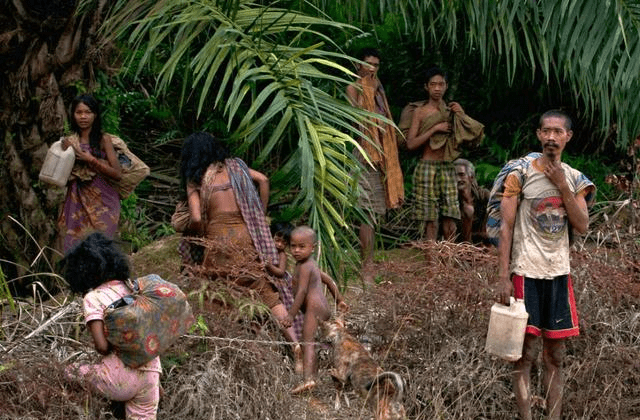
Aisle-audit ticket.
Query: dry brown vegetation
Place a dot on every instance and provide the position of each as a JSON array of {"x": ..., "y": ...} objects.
[{"x": 424, "y": 320}]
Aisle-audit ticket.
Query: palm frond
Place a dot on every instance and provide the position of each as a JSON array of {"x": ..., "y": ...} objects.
[
  {"x": 592, "y": 46},
  {"x": 265, "y": 69}
]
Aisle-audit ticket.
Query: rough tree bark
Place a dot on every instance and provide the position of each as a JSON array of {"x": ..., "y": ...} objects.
[{"x": 47, "y": 49}]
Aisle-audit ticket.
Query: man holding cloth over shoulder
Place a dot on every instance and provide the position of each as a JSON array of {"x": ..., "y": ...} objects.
[
  {"x": 543, "y": 199},
  {"x": 439, "y": 129}
]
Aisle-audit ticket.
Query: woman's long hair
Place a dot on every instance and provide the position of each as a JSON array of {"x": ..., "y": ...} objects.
[
  {"x": 95, "y": 136},
  {"x": 94, "y": 261},
  {"x": 199, "y": 150}
]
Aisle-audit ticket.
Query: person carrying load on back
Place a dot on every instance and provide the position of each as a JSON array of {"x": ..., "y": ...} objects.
[
  {"x": 97, "y": 269},
  {"x": 542, "y": 200}
]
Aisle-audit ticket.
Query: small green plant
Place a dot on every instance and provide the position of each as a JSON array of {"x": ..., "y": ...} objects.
[
  {"x": 5, "y": 293},
  {"x": 250, "y": 309},
  {"x": 133, "y": 217},
  {"x": 199, "y": 327}
]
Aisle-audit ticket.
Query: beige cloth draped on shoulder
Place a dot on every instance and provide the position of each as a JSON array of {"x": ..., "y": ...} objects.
[
  {"x": 465, "y": 129},
  {"x": 384, "y": 154}
]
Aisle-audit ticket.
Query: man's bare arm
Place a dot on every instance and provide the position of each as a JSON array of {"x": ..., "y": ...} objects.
[
  {"x": 414, "y": 140},
  {"x": 353, "y": 94},
  {"x": 193, "y": 200},
  {"x": 508, "y": 208}
]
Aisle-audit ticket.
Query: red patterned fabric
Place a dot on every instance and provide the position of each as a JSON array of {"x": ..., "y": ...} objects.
[{"x": 150, "y": 320}]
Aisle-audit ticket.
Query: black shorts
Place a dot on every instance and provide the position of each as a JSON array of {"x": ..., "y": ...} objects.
[{"x": 551, "y": 306}]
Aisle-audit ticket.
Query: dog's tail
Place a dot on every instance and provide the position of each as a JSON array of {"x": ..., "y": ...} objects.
[{"x": 390, "y": 383}]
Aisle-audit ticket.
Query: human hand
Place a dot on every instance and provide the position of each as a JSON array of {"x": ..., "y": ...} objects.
[
  {"x": 504, "y": 290},
  {"x": 443, "y": 127},
  {"x": 343, "y": 307},
  {"x": 287, "y": 321},
  {"x": 369, "y": 79},
  {"x": 81, "y": 154},
  {"x": 455, "y": 107},
  {"x": 554, "y": 172}
]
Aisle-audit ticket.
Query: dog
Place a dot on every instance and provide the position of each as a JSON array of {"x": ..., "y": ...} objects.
[{"x": 382, "y": 390}]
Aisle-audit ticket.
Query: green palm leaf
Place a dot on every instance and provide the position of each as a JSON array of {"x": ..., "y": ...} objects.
[
  {"x": 257, "y": 64},
  {"x": 592, "y": 45}
]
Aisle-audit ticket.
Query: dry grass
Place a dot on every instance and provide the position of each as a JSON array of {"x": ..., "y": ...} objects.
[{"x": 424, "y": 320}]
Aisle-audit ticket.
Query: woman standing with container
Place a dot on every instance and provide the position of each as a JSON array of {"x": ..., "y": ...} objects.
[{"x": 91, "y": 203}]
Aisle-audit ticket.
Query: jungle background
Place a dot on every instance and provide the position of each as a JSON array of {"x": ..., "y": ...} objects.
[{"x": 269, "y": 78}]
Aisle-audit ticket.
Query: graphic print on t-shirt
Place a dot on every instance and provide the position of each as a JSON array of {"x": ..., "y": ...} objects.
[{"x": 549, "y": 216}]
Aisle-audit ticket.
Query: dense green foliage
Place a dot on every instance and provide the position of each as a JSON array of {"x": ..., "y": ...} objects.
[{"x": 269, "y": 77}]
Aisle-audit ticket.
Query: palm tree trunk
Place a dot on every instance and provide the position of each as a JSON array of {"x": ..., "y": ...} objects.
[{"x": 45, "y": 51}]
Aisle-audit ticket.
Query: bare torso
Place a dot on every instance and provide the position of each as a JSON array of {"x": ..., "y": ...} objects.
[
  {"x": 421, "y": 138},
  {"x": 314, "y": 301}
]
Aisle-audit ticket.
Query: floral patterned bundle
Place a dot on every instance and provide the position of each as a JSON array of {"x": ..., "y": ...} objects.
[{"x": 143, "y": 325}]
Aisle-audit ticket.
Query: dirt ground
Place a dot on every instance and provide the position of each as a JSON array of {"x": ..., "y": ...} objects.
[{"x": 426, "y": 319}]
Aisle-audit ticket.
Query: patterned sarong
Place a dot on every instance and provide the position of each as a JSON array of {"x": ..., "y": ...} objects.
[
  {"x": 251, "y": 208},
  {"x": 91, "y": 204}
]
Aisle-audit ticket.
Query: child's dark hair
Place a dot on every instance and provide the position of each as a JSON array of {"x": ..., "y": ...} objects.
[
  {"x": 94, "y": 261},
  {"x": 282, "y": 228}
]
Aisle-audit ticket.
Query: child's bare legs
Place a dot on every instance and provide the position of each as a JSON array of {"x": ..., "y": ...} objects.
[
  {"x": 310, "y": 362},
  {"x": 281, "y": 313}
]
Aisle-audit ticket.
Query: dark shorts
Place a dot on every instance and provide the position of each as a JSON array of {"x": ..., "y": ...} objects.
[{"x": 551, "y": 306}]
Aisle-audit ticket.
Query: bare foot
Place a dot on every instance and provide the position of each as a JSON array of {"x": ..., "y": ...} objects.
[
  {"x": 297, "y": 357},
  {"x": 307, "y": 386}
]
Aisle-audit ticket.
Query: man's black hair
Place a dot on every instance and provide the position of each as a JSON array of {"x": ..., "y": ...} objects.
[
  {"x": 435, "y": 71},
  {"x": 369, "y": 52},
  {"x": 558, "y": 113}
]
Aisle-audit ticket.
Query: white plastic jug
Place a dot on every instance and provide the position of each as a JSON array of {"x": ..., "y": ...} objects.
[
  {"x": 507, "y": 326},
  {"x": 57, "y": 165}
]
